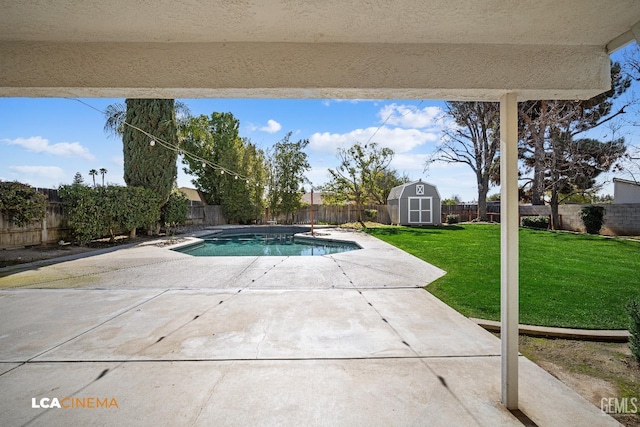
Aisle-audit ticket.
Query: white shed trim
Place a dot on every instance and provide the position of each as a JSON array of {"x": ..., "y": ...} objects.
[{"x": 420, "y": 210}]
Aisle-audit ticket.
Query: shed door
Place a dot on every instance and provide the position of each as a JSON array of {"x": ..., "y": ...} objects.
[{"x": 420, "y": 210}]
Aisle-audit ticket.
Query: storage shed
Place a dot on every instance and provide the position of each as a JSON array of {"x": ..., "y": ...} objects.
[{"x": 415, "y": 203}]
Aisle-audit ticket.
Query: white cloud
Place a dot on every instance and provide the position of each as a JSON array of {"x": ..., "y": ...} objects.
[
  {"x": 53, "y": 173},
  {"x": 37, "y": 144},
  {"x": 410, "y": 116},
  {"x": 399, "y": 140},
  {"x": 271, "y": 127},
  {"x": 318, "y": 175},
  {"x": 412, "y": 164}
]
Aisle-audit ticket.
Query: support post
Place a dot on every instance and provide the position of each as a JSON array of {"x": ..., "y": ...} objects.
[
  {"x": 509, "y": 248},
  {"x": 311, "y": 211}
]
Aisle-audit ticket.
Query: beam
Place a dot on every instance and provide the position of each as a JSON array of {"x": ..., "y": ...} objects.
[
  {"x": 624, "y": 39},
  {"x": 509, "y": 248},
  {"x": 301, "y": 70}
]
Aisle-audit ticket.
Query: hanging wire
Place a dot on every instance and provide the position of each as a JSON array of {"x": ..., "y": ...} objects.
[
  {"x": 153, "y": 140},
  {"x": 415, "y": 108}
]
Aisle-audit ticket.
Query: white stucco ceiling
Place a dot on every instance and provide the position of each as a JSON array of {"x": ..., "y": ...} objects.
[{"x": 466, "y": 49}]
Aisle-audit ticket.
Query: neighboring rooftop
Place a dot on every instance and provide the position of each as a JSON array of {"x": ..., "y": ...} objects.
[
  {"x": 194, "y": 196},
  {"x": 317, "y": 198},
  {"x": 625, "y": 191}
]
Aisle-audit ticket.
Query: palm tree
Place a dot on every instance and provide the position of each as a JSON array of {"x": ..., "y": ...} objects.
[
  {"x": 103, "y": 172},
  {"x": 93, "y": 174}
]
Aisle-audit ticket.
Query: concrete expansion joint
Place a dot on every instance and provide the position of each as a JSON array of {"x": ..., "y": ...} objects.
[
  {"x": 120, "y": 362},
  {"x": 264, "y": 274},
  {"x": 94, "y": 327}
]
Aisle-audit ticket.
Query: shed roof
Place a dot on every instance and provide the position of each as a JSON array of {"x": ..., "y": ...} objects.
[{"x": 396, "y": 192}]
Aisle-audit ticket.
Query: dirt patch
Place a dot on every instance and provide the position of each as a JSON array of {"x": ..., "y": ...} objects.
[
  {"x": 9, "y": 257},
  {"x": 358, "y": 225},
  {"x": 595, "y": 370}
]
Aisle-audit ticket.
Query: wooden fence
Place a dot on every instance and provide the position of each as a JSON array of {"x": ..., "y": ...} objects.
[
  {"x": 333, "y": 214},
  {"x": 200, "y": 214},
  {"x": 470, "y": 212},
  {"x": 50, "y": 230},
  {"x": 620, "y": 219}
]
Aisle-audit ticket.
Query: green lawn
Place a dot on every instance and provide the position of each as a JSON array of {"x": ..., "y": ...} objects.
[{"x": 567, "y": 280}]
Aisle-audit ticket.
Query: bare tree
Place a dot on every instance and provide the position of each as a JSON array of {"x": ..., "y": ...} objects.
[
  {"x": 474, "y": 141},
  {"x": 632, "y": 68},
  {"x": 359, "y": 175},
  {"x": 559, "y": 162}
]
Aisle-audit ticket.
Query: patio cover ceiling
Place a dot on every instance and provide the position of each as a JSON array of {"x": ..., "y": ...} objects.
[{"x": 414, "y": 49}]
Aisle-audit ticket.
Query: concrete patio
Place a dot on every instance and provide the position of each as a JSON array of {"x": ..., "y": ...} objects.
[{"x": 347, "y": 339}]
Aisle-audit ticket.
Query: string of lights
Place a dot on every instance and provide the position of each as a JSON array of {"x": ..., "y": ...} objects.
[{"x": 153, "y": 140}]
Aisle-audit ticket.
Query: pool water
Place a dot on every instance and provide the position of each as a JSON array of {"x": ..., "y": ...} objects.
[{"x": 260, "y": 244}]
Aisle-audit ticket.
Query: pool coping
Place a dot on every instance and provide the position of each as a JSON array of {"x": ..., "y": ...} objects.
[
  {"x": 253, "y": 307},
  {"x": 198, "y": 237}
]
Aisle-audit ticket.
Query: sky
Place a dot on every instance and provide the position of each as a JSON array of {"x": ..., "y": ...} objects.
[{"x": 45, "y": 141}]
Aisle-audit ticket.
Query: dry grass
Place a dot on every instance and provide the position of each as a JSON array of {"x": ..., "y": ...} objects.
[
  {"x": 596, "y": 370},
  {"x": 358, "y": 225}
]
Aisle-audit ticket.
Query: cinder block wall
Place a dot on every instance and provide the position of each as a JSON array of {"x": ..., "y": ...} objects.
[{"x": 619, "y": 219}]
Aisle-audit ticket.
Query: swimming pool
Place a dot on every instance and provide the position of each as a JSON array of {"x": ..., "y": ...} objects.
[{"x": 265, "y": 244}]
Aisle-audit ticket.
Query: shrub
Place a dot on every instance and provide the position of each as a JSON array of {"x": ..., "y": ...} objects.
[
  {"x": 131, "y": 207},
  {"x": 21, "y": 203},
  {"x": 593, "y": 218},
  {"x": 541, "y": 222},
  {"x": 95, "y": 212},
  {"x": 371, "y": 214},
  {"x": 82, "y": 212},
  {"x": 174, "y": 212},
  {"x": 453, "y": 219},
  {"x": 633, "y": 309}
]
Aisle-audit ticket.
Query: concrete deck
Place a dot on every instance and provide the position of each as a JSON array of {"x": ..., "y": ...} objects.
[{"x": 348, "y": 339}]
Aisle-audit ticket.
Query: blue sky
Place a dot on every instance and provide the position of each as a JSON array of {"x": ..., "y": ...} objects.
[{"x": 44, "y": 142}]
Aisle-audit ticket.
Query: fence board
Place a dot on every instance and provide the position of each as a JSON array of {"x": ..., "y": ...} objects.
[{"x": 333, "y": 214}]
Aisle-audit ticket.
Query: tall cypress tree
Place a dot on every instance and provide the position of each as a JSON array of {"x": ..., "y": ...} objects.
[{"x": 150, "y": 164}]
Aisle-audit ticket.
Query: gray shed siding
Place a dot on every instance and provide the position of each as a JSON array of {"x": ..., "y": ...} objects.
[{"x": 415, "y": 203}]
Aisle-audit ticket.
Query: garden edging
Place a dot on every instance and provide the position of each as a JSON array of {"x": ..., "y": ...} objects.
[{"x": 609, "y": 335}]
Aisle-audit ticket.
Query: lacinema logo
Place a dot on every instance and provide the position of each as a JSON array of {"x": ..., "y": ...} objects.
[
  {"x": 614, "y": 405},
  {"x": 74, "y": 403}
]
